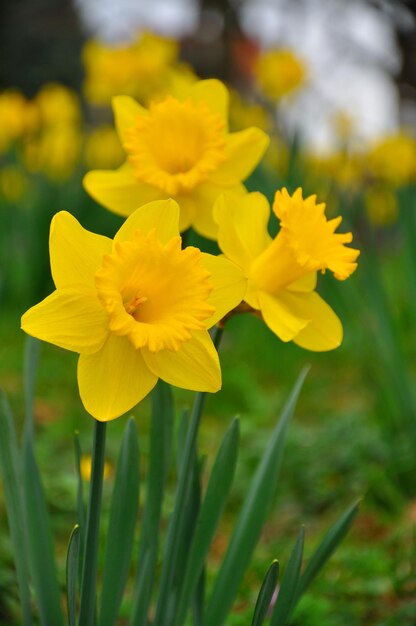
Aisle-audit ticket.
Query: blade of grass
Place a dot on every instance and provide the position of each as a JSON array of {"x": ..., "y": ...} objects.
[
  {"x": 159, "y": 461},
  {"x": 326, "y": 548},
  {"x": 72, "y": 559},
  {"x": 89, "y": 570},
  {"x": 251, "y": 519},
  {"x": 286, "y": 599},
  {"x": 11, "y": 474},
  {"x": 164, "y": 609},
  {"x": 216, "y": 495},
  {"x": 81, "y": 516},
  {"x": 41, "y": 554},
  {"x": 266, "y": 593},
  {"x": 123, "y": 515}
]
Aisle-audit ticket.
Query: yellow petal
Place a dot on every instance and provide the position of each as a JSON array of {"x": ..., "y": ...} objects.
[
  {"x": 229, "y": 285},
  {"x": 119, "y": 190},
  {"x": 114, "y": 380},
  {"x": 215, "y": 95},
  {"x": 205, "y": 196},
  {"x": 70, "y": 318},
  {"x": 242, "y": 227},
  {"x": 283, "y": 314},
  {"x": 305, "y": 283},
  {"x": 244, "y": 151},
  {"x": 194, "y": 366},
  {"x": 162, "y": 215},
  {"x": 75, "y": 253},
  {"x": 126, "y": 110},
  {"x": 324, "y": 331}
]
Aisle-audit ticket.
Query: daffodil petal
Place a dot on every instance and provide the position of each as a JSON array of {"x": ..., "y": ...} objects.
[
  {"x": 229, "y": 286},
  {"x": 283, "y": 314},
  {"x": 70, "y": 318},
  {"x": 75, "y": 253},
  {"x": 119, "y": 190},
  {"x": 305, "y": 283},
  {"x": 324, "y": 331},
  {"x": 244, "y": 151},
  {"x": 162, "y": 215},
  {"x": 113, "y": 380},
  {"x": 194, "y": 366},
  {"x": 126, "y": 110},
  {"x": 242, "y": 227},
  {"x": 215, "y": 95},
  {"x": 205, "y": 196},
  {"x": 188, "y": 209}
]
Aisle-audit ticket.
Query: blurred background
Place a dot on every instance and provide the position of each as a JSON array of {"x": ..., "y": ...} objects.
[{"x": 334, "y": 84}]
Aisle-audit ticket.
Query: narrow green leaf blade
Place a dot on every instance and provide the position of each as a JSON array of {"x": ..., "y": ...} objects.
[
  {"x": 286, "y": 599},
  {"x": 159, "y": 461},
  {"x": 123, "y": 515},
  {"x": 11, "y": 474},
  {"x": 81, "y": 513},
  {"x": 251, "y": 519},
  {"x": 31, "y": 360},
  {"x": 72, "y": 560},
  {"x": 327, "y": 546},
  {"x": 265, "y": 596},
  {"x": 41, "y": 556},
  {"x": 216, "y": 495}
]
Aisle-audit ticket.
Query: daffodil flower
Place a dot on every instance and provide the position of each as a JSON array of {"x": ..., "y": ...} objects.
[
  {"x": 136, "y": 309},
  {"x": 181, "y": 149},
  {"x": 281, "y": 273}
]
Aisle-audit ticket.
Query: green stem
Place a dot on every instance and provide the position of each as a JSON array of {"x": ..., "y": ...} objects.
[
  {"x": 89, "y": 570},
  {"x": 164, "y": 616}
]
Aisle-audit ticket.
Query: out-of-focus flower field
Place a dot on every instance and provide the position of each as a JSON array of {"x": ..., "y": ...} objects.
[{"x": 354, "y": 431}]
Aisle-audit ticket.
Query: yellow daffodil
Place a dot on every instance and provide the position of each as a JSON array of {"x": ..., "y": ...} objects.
[
  {"x": 137, "y": 70},
  {"x": 279, "y": 73},
  {"x": 282, "y": 272},
  {"x": 179, "y": 148},
  {"x": 381, "y": 205},
  {"x": 57, "y": 105},
  {"x": 136, "y": 308},
  {"x": 393, "y": 159},
  {"x": 103, "y": 148}
]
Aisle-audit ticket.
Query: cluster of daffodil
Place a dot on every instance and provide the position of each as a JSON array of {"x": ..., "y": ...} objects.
[{"x": 139, "y": 308}]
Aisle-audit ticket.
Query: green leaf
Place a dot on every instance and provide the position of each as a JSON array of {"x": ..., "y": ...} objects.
[
  {"x": 72, "y": 560},
  {"x": 326, "y": 548},
  {"x": 159, "y": 461},
  {"x": 88, "y": 591},
  {"x": 253, "y": 514},
  {"x": 210, "y": 513},
  {"x": 31, "y": 360},
  {"x": 286, "y": 599},
  {"x": 81, "y": 514},
  {"x": 265, "y": 596},
  {"x": 120, "y": 535},
  {"x": 41, "y": 556},
  {"x": 11, "y": 474},
  {"x": 164, "y": 615}
]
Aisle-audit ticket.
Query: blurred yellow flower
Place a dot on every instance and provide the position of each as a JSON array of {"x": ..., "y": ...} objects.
[
  {"x": 279, "y": 73},
  {"x": 244, "y": 113},
  {"x": 57, "y": 105},
  {"x": 282, "y": 272},
  {"x": 136, "y": 70},
  {"x": 13, "y": 183},
  {"x": 179, "y": 148},
  {"x": 136, "y": 308},
  {"x": 393, "y": 159},
  {"x": 55, "y": 152},
  {"x": 103, "y": 148},
  {"x": 85, "y": 467},
  {"x": 17, "y": 116},
  {"x": 381, "y": 205}
]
